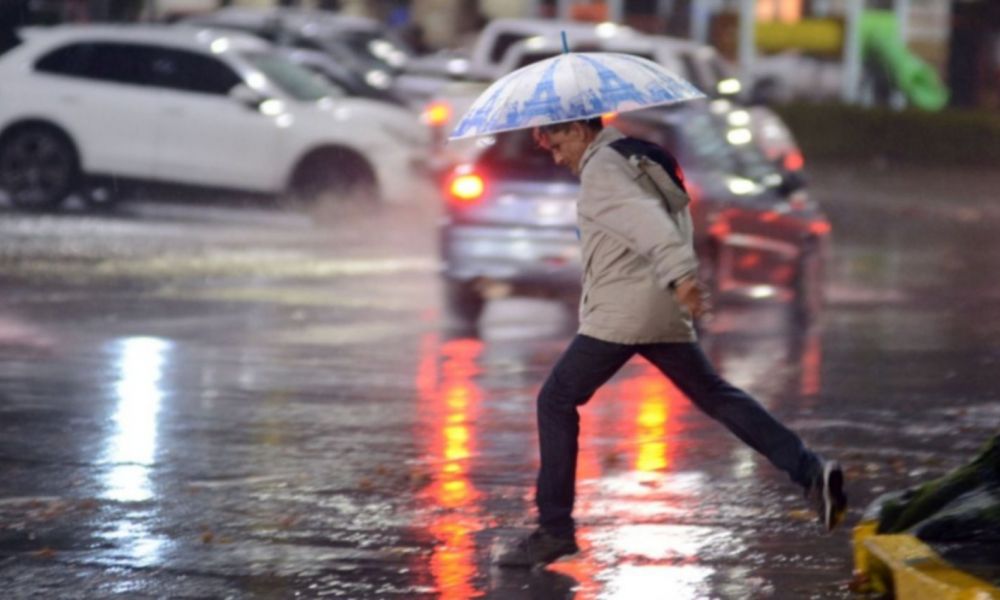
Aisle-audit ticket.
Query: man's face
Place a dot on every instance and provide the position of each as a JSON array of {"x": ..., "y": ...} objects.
[{"x": 567, "y": 146}]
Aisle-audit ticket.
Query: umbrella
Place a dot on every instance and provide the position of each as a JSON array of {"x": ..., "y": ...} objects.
[{"x": 569, "y": 87}]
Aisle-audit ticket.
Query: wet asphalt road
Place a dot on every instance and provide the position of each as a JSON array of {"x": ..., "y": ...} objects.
[{"x": 223, "y": 402}]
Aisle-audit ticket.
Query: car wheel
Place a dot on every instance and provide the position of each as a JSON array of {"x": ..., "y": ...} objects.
[
  {"x": 38, "y": 167},
  {"x": 808, "y": 287},
  {"x": 331, "y": 181},
  {"x": 463, "y": 303}
]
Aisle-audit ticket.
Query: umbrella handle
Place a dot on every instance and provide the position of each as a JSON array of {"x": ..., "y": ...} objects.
[{"x": 565, "y": 42}]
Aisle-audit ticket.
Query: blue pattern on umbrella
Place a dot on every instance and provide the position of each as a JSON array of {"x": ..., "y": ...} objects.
[
  {"x": 613, "y": 91},
  {"x": 477, "y": 118},
  {"x": 542, "y": 103},
  {"x": 662, "y": 88}
]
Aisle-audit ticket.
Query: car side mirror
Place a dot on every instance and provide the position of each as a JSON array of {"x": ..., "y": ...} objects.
[{"x": 246, "y": 96}]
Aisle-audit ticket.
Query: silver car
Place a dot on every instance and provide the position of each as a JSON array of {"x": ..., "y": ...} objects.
[{"x": 510, "y": 224}]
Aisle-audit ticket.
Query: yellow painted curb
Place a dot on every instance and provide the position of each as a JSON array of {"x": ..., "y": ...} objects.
[{"x": 911, "y": 570}]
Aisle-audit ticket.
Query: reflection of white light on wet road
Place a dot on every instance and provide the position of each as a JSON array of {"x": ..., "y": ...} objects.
[
  {"x": 668, "y": 557},
  {"x": 637, "y": 582},
  {"x": 143, "y": 549},
  {"x": 132, "y": 447},
  {"x": 662, "y": 542}
]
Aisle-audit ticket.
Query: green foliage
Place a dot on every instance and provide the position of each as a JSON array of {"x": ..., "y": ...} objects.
[
  {"x": 925, "y": 501},
  {"x": 950, "y": 137}
]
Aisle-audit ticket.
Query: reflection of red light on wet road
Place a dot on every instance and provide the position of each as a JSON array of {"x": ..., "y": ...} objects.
[
  {"x": 628, "y": 428},
  {"x": 449, "y": 401},
  {"x": 650, "y": 428},
  {"x": 812, "y": 363},
  {"x": 656, "y": 399},
  {"x": 452, "y": 565}
]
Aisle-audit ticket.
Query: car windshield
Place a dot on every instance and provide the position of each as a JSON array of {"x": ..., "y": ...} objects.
[
  {"x": 709, "y": 141},
  {"x": 296, "y": 81},
  {"x": 376, "y": 47},
  {"x": 515, "y": 155},
  {"x": 703, "y": 143}
]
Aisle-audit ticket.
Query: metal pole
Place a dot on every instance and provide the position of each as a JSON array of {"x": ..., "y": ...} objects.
[
  {"x": 852, "y": 51},
  {"x": 699, "y": 21},
  {"x": 748, "y": 41},
  {"x": 664, "y": 8},
  {"x": 616, "y": 11},
  {"x": 903, "y": 19}
]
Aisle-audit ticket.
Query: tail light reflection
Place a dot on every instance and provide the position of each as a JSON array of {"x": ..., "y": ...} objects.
[{"x": 449, "y": 398}]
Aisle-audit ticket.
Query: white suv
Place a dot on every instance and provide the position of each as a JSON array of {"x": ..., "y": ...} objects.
[{"x": 191, "y": 107}]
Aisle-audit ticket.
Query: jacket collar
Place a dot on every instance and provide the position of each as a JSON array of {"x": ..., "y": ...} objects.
[{"x": 605, "y": 137}]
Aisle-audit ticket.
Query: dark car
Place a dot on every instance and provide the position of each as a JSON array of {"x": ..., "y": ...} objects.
[{"x": 510, "y": 226}]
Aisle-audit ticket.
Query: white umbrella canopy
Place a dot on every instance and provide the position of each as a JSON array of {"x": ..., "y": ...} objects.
[{"x": 569, "y": 87}]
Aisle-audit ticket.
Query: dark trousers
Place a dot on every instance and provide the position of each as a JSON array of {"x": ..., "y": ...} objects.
[{"x": 588, "y": 363}]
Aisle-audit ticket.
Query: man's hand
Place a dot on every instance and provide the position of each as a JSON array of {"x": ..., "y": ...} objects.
[{"x": 691, "y": 294}]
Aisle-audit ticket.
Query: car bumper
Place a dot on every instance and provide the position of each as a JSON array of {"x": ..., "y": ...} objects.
[
  {"x": 756, "y": 262},
  {"x": 403, "y": 174},
  {"x": 521, "y": 256}
]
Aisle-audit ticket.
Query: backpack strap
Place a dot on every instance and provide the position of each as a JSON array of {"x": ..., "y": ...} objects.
[{"x": 659, "y": 168}]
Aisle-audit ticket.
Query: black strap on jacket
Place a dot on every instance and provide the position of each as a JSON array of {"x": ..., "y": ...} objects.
[{"x": 628, "y": 146}]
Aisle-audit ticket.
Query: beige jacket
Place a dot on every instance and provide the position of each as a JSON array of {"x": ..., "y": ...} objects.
[{"x": 633, "y": 248}]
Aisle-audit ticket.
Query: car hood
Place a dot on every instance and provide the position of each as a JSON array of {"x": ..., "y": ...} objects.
[{"x": 369, "y": 117}]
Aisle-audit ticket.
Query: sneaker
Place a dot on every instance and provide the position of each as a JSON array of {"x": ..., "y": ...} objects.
[
  {"x": 827, "y": 495},
  {"x": 538, "y": 549}
]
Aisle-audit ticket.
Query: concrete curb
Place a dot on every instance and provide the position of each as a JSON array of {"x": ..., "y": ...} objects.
[{"x": 909, "y": 569}]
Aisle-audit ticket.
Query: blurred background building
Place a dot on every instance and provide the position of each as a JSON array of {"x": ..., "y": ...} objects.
[{"x": 960, "y": 39}]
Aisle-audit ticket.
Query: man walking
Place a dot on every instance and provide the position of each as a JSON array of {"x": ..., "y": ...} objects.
[{"x": 640, "y": 296}]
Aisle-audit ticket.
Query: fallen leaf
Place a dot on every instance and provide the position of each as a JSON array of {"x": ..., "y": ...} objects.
[
  {"x": 207, "y": 537},
  {"x": 46, "y": 552},
  {"x": 801, "y": 514}
]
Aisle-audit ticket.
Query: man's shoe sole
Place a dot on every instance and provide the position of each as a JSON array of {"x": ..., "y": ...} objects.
[{"x": 833, "y": 493}]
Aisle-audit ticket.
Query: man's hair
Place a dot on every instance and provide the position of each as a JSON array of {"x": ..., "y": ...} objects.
[{"x": 542, "y": 132}]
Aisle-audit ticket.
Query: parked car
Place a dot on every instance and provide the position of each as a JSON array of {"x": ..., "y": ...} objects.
[
  {"x": 511, "y": 223},
  {"x": 362, "y": 45},
  {"x": 194, "y": 107},
  {"x": 351, "y": 82}
]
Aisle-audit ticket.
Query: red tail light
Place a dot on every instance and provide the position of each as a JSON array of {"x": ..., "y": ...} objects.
[
  {"x": 820, "y": 227},
  {"x": 466, "y": 187},
  {"x": 794, "y": 161}
]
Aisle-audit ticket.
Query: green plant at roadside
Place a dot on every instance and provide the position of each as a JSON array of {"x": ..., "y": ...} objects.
[
  {"x": 946, "y": 138},
  {"x": 924, "y": 502}
]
